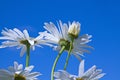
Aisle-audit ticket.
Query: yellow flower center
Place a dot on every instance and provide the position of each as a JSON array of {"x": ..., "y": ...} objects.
[
  {"x": 79, "y": 79},
  {"x": 19, "y": 77}
]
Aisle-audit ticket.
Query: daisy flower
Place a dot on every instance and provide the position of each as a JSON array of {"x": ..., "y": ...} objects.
[
  {"x": 17, "y": 72},
  {"x": 60, "y": 37},
  {"x": 20, "y": 39},
  {"x": 90, "y": 74}
]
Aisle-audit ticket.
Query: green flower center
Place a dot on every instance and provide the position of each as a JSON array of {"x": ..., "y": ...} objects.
[
  {"x": 79, "y": 79},
  {"x": 19, "y": 77},
  {"x": 65, "y": 43}
]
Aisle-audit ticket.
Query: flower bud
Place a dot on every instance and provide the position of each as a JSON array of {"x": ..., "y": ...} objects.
[{"x": 74, "y": 29}]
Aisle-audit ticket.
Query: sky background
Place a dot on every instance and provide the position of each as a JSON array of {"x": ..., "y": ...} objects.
[{"x": 100, "y": 18}]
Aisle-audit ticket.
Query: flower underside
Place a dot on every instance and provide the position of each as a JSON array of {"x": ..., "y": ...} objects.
[
  {"x": 65, "y": 43},
  {"x": 19, "y": 77},
  {"x": 25, "y": 42}
]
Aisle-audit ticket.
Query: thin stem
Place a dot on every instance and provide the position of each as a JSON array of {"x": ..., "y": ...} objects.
[
  {"x": 27, "y": 55},
  {"x": 55, "y": 62},
  {"x": 68, "y": 56}
]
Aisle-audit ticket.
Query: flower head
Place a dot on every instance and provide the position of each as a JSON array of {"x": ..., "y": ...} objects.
[
  {"x": 17, "y": 72},
  {"x": 60, "y": 36},
  {"x": 20, "y": 39},
  {"x": 91, "y": 74},
  {"x": 74, "y": 29}
]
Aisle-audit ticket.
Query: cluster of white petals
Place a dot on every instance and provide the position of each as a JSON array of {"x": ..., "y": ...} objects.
[
  {"x": 57, "y": 34},
  {"x": 90, "y": 74},
  {"x": 20, "y": 39},
  {"x": 17, "y": 72}
]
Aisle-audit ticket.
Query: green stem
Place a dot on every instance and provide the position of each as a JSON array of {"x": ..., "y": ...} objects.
[
  {"x": 27, "y": 55},
  {"x": 55, "y": 62},
  {"x": 68, "y": 56}
]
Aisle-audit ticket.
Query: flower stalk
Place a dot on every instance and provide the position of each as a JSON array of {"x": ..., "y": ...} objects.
[
  {"x": 28, "y": 55},
  {"x": 68, "y": 56},
  {"x": 55, "y": 62}
]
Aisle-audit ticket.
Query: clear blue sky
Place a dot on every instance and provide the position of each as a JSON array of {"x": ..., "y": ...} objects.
[{"x": 100, "y": 18}]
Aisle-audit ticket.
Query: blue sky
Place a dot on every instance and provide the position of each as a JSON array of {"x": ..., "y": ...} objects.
[{"x": 99, "y": 18}]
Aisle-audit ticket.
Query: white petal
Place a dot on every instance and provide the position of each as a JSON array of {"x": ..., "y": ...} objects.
[
  {"x": 81, "y": 68},
  {"x": 6, "y": 37},
  {"x": 26, "y": 34},
  {"x": 55, "y": 31},
  {"x": 50, "y": 38},
  {"x": 65, "y": 73},
  {"x": 20, "y": 67},
  {"x": 57, "y": 79},
  {"x": 9, "y": 44},
  {"x": 57, "y": 74},
  {"x": 14, "y": 33},
  {"x": 40, "y": 36},
  {"x": 33, "y": 48},
  {"x": 15, "y": 65},
  {"x": 19, "y": 32},
  {"x": 99, "y": 76},
  {"x": 33, "y": 75},
  {"x": 11, "y": 69},
  {"x": 77, "y": 56},
  {"x": 31, "y": 42},
  {"x": 96, "y": 72},
  {"x": 4, "y": 73},
  {"x": 6, "y": 78},
  {"x": 28, "y": 69},
  {"x": 23, "y": 51},
  {"x": 64, "y": 30},
  {"x": 90, "y": 71},
  {"x": 8, "y": 34},
  {"x": 61, "y": 75}
]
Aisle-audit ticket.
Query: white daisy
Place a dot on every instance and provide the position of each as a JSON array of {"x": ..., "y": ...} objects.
[
  {"x": 91, "y": 74},
  {"x": 60, "y": 37},
  {"x": 17, "y": 72},
  {"x": 20, "y": 39}
]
